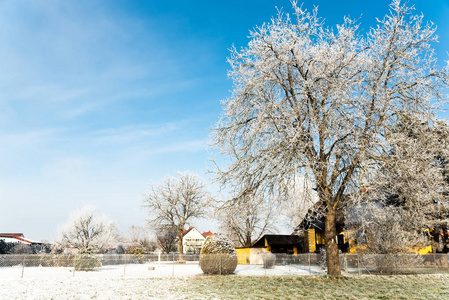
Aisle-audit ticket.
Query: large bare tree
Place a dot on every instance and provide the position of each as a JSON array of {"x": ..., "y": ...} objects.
[
  {"x": 311, "y": 100},
  {"x": 174, "y": 202}
]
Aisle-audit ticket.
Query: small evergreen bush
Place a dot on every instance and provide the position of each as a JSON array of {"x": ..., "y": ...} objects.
[{"x": 85, "y": 260}]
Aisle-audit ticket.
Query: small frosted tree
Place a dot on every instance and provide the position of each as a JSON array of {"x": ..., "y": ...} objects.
[
  {"x": 309, "y": 100},
  {"x": 173, "y": 203},
  {"x": 166, "y": 239},
  {"x": 139, "y": 240},
  {"x": 86, "y": 229},
  {"x": 248, "y": 218}
]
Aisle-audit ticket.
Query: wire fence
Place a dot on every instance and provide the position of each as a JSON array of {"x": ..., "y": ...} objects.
[{"x": 174, "y": 264}]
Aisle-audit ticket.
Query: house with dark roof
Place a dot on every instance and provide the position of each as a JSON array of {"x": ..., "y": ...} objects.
[
  {"x": 273, "y": 243},
  {"x": 311, "y": 229}
]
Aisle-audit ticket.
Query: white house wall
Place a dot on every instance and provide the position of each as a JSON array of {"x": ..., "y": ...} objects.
[{"x": 192, "y": 239}]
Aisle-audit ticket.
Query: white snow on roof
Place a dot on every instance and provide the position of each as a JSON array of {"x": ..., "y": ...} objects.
[
  {"x": 14, "y": 240},
  {"x": 21, "y": 240}
]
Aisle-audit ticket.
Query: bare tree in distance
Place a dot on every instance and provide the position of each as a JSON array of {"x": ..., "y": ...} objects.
[
  {"x": 174, "y": 203},
  {"x": 140, "y": 240},
  {"x": 85, "y": 228},
  {"x": 247, "y": 219},
  {"x": 308, "y": 100},
  {"x": 166, "y": 239}
]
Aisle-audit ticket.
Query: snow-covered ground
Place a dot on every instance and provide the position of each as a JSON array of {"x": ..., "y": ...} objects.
[
  {"x": 115, "y": 282},
  {"x": 143, "y": 271}
]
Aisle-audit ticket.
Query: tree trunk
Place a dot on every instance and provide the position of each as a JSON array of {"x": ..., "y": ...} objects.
[
  {"x": 248, "y": 241},
  {"x": 181, "y": 250},
  {"x": 330, "y": 236}
]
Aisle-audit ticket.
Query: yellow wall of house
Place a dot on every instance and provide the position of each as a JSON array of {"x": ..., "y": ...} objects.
[
  {"x": 360, "y": 248},
  {"x": 424, "y": 250},
  {"x": 243, "y": 255},
  {"x": 310, "y": 234},
  {"x": 267, "y": 246},
  {"x": 320, "y": 237},
  {"x": 314, "y": 237},
  {"x": 253, "y": 256}
]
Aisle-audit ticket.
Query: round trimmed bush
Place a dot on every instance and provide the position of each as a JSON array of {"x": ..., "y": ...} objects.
[{"x": 218, "y": 255}]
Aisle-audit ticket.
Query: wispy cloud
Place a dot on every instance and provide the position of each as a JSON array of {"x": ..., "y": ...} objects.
[
  {"x": 189, "y": 146},
  {"x": 128, "y": 134},
  {"x": 72, "y": 59}
]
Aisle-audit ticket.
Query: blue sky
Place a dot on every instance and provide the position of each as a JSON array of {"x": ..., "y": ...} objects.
[{"x": 99, "y": 98}]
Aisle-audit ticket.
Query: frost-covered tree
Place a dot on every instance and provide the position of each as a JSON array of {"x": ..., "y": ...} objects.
[
  {"x": 248, "y": 218},
  {"x": 174, "y": 202},
  {"x": 139, "y": 240},
  {"x": 409, "y": 191},
  {"x": 300, "y": 198},
  {"x": 311, "y": 100},
  {"x": 86, "y": 229},
  {"x": 166, "y": 239},
  {"x": 386, "y": 230}
]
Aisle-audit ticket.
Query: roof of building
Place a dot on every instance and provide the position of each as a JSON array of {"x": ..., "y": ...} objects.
[
  {"x": 185, "y": 231},
  {"x": 206, "y": 234},
  {"x": 17, "y": 238},
  {"x": 10, "y": 235},
  {"x": 278, "y": 240}
]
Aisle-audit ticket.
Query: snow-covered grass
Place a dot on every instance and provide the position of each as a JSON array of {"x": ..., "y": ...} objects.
[
  {"x": 320, "y": 287},
  {"x": 142, "y": 271},
  {"x": 248, "y": 282}
]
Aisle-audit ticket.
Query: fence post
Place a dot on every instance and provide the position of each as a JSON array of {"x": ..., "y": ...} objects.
[
  {"x": 221, "y": 264},
  {"x": 124, "y": 266},
  {"x": 23, "y": 265},
  {"x": 346, "y": 262},
  {"x": 358, "y": 264},
  {"x": 173, "y": 266},
  {"x": 309, "y": 265},
  {"x": 74, "y": 265}
]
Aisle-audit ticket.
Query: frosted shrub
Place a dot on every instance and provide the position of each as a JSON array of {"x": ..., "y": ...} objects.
[
  {"x": 218, "y": 255},
  {"x": 397, "y": 263},
  {"x": 47, "y": 260},
  {"x": 323, "y": 261},
  {"x": 85, "y": 260},
  {"x": 269, "y": 260}
]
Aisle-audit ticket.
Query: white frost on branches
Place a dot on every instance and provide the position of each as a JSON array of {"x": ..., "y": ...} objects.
[
  {"x": 246, "y": 219},
  {"x": 311, "y": 101},
  {"x": 173, "y": 203},
  {"x": 85, "y": 228}
]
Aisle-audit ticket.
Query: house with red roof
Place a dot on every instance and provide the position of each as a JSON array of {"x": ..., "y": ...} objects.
[
  {"x": 18, "y": 238},
  {"x": 193, "y": 240}
]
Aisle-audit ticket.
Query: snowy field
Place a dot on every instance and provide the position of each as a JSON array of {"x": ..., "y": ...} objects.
[
  {"x": 142, "y": 271},
  {"x": 116, "y": 282}
]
